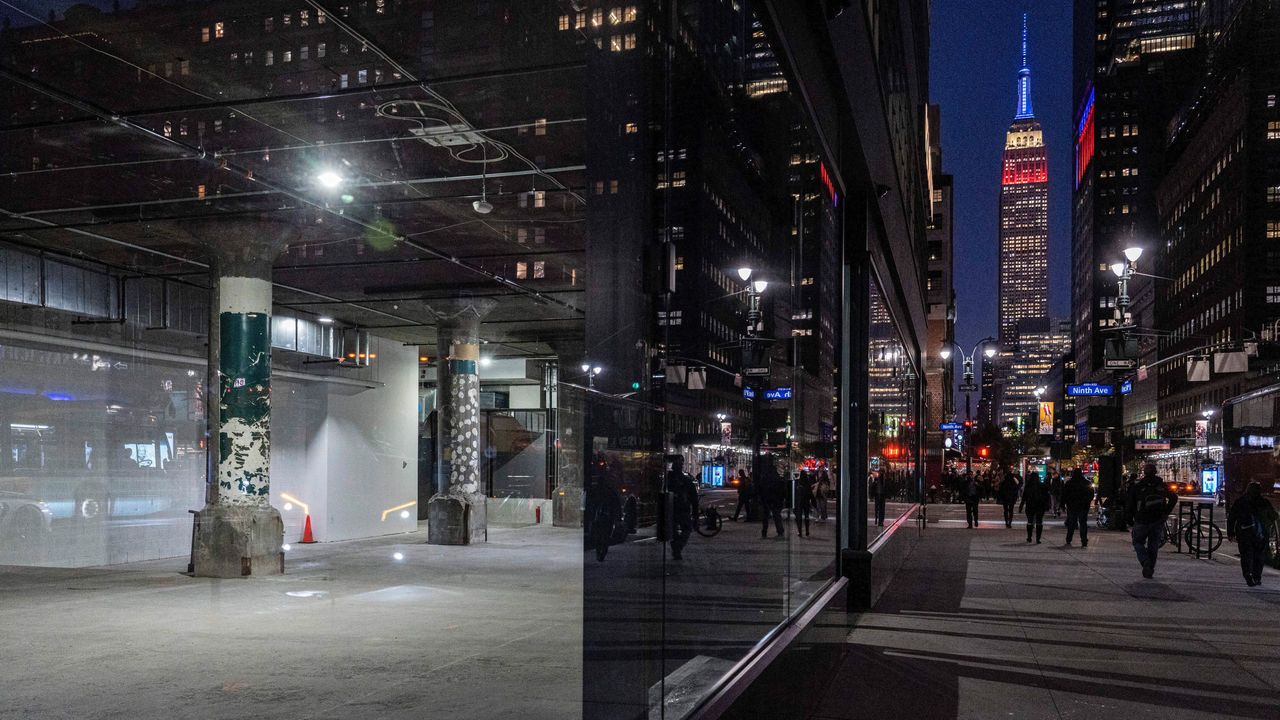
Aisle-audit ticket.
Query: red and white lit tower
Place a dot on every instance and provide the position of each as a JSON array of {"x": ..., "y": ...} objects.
[{"x": 1024, "y": 218}]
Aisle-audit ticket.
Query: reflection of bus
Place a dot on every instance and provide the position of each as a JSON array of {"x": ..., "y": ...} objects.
[{"x": 1250, "y": 427}]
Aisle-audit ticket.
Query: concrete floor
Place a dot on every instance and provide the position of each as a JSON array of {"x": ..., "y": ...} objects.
[
  {"x": 488, "y": 631},
  {"x": 979, "y": 624}
]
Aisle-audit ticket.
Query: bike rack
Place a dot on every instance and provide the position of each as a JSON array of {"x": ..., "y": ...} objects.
[
  {"x": 1200, "y": 508},
  {"x": 1185, "y": 509}
]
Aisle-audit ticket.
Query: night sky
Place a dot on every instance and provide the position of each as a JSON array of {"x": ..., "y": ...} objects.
[{"x": 975, "y": 54}]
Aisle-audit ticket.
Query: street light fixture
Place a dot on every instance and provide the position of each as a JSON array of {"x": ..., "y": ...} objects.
[
  {"x": 1207, "y": 414},
  {"x": 1132, "y": 254},
  {"x": 329, "y": 179},
  {"x": 989, "y": 351},
  {"x": 744, "y": 273}
]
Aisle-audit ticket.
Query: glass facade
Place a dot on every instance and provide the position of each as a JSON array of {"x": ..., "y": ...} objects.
[{"x": 563, "y": 367}]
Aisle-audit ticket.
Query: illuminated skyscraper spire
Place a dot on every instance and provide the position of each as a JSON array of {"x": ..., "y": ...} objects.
[{"x": 1024, "y": 79}]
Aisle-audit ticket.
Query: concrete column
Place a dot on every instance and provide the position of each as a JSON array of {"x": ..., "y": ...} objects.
[
  {"x": 456, "y": 513},
  {"x": 240, "y": 533}
]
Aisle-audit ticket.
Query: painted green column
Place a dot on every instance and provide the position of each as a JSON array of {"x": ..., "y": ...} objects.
[{"x": 239, "y": 533}]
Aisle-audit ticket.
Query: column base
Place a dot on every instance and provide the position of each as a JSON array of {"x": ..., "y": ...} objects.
[
  {"x": 566, "y": 506},
  {"x": 454, "y": 520},
  {"x": 238, "y": 541}
]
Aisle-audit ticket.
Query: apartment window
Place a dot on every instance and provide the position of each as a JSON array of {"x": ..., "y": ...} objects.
[
  {"x": 597, "y": 17},
  {"x": 286, "y": 56},
  {"x": 168, "y": 129},
  {"x": 599, "y": 187},
  {"x": 615, "y": 43},
  {"x": 184, "y": 67},
  {"x": 613, "y": 187},
  {"x": 522, "y": 270},
  {"x": 630, "y": 128},
  {"x": 539, "y": 269},
  {"x": 204, "y": 34},
  {"x": 304, "y": 18},
  {"x": 288, "y": 19},
  {"x": 563, "y": 23},
  {"x": 1271, "y": 101},
  {"x": 1273, "y": 294},
  {"x": 579, "y": 21},
  {"x": 304, "y": 52},
  {"x": 320, "y": 50},
  {"x": 343, "y": 80},
  {"x": 1273, "y": 194},
  {"x": 540, "y": 126},
  {"x": 629, "y": 41},
  {"x": 1273, "y": 130},
  {"x": 269, "y": 24},
  {"x": 539, "y": 236},
  {"x": 539, "y": 198},
  {"x": 200, "y": 191},
  {"x": 271, "y": 57},
  {"x": 218, "y": 29},
  {"x": 320, "y": 18},
  {"x": 362, "y": 76},
  {"x": 629, "y": 15},
  {"x": 1273, "y": 230}
]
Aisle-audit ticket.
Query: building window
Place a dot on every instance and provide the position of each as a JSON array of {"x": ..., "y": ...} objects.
[
  {"x": 629, "y": 15},
  {"x": 184, "y": 67},
  {"x": 271, "y": 58},
  {"x": 579, "y": 21},
  {"x": 269, "y": 24},
  {"x": 286, "y": 56},
  {"x": 204, "y": 34},
  {"x": 563, "y": 23},
  {"x": 362, "y": 76},
  {"x": 288, "y": 19},
  {"x": 320, "y": 48},
  {"x": 522, "y": 270},
  {"x": 343, "y": 80},
  {"x": 320, "y": 17},
  {"x": 539, "y": 198},
  {"x": 304, "y": 52},
  {"x": 218, "y": 29},
  {"x": 630, "y": 128},
  {"x": 1273, "y": 230},
  {"x": 304, "y": 18},
  {"x": 1273, "y": 130},
  {"x": 200, "y": 191},
  {"x": 597, "y": 17},
  {"x": 539, "y": 269},
  {"x": 540, "y": 126},
  {"x": 613, "y": 187}
]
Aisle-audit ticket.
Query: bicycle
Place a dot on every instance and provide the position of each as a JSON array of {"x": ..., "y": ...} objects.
[
  {"x": 1205, "y": 541},
  {"x": 709, "y": 522}
]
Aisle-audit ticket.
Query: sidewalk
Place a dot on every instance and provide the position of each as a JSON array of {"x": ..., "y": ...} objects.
[{"x": 979, "y": 624}]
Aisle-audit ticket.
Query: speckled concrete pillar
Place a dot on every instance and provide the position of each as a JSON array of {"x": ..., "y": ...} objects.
[{"x": 456, "y": 513}]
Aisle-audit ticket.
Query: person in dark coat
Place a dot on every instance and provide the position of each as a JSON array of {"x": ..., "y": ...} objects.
[
  {"x": 684, "y": 505},
  {"x": 745, "y": 494},
  {"x": 802, "y": 501},
  {"x": 1035, "y": 501},
  {"x": 876, "y": 493},
  {"x": 771, "y": 493},
  {"x": 1148, "y": 504},
  {"x": 1008, "y": 492},
  {"x": 971, "y": 494},
  {"x": 1077, "y": 496},
  {"x": 821, "y": 491},
  {"x": 1249, "y": 523},
  {"x": 1055, "y": 493}
]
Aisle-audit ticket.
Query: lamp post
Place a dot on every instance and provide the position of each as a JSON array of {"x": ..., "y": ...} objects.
[
  {"x": 1124, "y": 272},
  {"x": 968, "y": 387},
  {"x": 591, "y": 371},
  {"x": 751, "y": 358}
]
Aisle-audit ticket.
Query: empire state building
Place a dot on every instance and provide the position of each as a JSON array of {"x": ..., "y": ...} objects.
[{"x": 1024, "y": 218}]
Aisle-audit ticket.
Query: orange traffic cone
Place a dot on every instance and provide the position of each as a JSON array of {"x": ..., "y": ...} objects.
[{"x": 306, "y": 531}]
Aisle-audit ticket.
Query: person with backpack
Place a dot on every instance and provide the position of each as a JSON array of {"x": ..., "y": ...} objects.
[
  {"x": 1008, "y": 493},
  {"x": 1248, "y": 523},
  {"x": 1055, "y": 493},
  {"x": 1035, "y": 502},
  {"x": 1077, "y": 496},
  {"x": 1149, "y": 503}
]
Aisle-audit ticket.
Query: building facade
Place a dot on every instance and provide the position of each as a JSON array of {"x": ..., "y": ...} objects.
[{"x": 940, "y": 287}]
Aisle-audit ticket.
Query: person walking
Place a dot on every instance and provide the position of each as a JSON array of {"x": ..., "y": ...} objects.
[
  {"x": 1148, "y": 504},
  {"x": 1248, "y": 523},
  {"x": 801, "y": 501},
  {"x": 820, "y": 492},
  {"x": 876, "y": 490},
  {"x": 769, "y": 491},
  {"x": 1055, "y": 493},
  {"x": 745, "y": 493},
  {"x": 971, "y": 494},
  {"x": 1008, "y": 493},
  {"x": 1077, "y": 496},
  {"x": 684, "y": 505},
  {"x": 1035, "y": 502}
]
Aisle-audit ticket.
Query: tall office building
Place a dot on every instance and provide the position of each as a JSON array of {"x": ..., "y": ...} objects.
[
  {"x": 1024, "y": 216},
  {"x": 941, "y": 296},
  {"x": 1135, "y": 60}
]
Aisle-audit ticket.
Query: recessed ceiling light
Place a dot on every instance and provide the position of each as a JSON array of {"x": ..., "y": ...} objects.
[{"x": 325, "y": 319}]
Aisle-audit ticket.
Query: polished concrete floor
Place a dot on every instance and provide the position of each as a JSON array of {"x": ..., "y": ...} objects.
[
  {"x": 352, "y": 631},
  {"x": 980, "y": 624}
]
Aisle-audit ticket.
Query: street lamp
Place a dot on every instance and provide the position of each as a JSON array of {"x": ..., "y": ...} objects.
[
  {"x": 968, "y": 387},
  {"x": 591, "y": 371},
  {"x": 1125, "y": 272},
  {"x": 751, "y": 357}
]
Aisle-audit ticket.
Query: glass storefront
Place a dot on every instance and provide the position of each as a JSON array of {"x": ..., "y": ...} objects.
[{"x": 577, "y": 273}]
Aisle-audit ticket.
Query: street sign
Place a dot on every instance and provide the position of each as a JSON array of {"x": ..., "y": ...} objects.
[
  {"x": 951, "y": 426},
  {"x": 1120, "y": 364},
  {"x": 1090, "y": 390},
  {"x": 1126, "y": 387},
  {"x": 778, "y": 394},
  {"x": 1151, "y": 445},
  {"x": 756, "y": 372},
  {"x": 968, "y": 387},
  {"x": 748, "y": 392}
]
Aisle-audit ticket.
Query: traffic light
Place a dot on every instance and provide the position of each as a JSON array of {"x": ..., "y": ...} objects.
[
  {"x": 984, "y": 451},
  {"x": 968, "y": 423}
]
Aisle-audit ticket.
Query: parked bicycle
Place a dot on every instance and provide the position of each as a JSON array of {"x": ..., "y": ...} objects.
[{"x": 710, "y": 522}]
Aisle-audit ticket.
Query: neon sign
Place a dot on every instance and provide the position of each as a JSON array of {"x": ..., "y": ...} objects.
[{"x": 828, "y": 184}]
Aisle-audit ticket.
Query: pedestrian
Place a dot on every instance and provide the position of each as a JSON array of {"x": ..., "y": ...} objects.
[
  {"x": 1035, "y": 502},
  {"x": 769, "y": 492},
  {"x": 684, "y": 505},
  {"x": 801, "y": 501},
  {"x": 971, "y": 494},
  {"x": 1148, "y": 504},
  {"x": 820, "y": 492},
  {"x": 1077, "y": 496},
  {"x": 1248, "y": 523},
  {"x": 1055, "y": 493},
  {"x": 1008, "y": 493},
  {"x": 876, "y": 490},
  {"x": 745, "y": 494}
]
